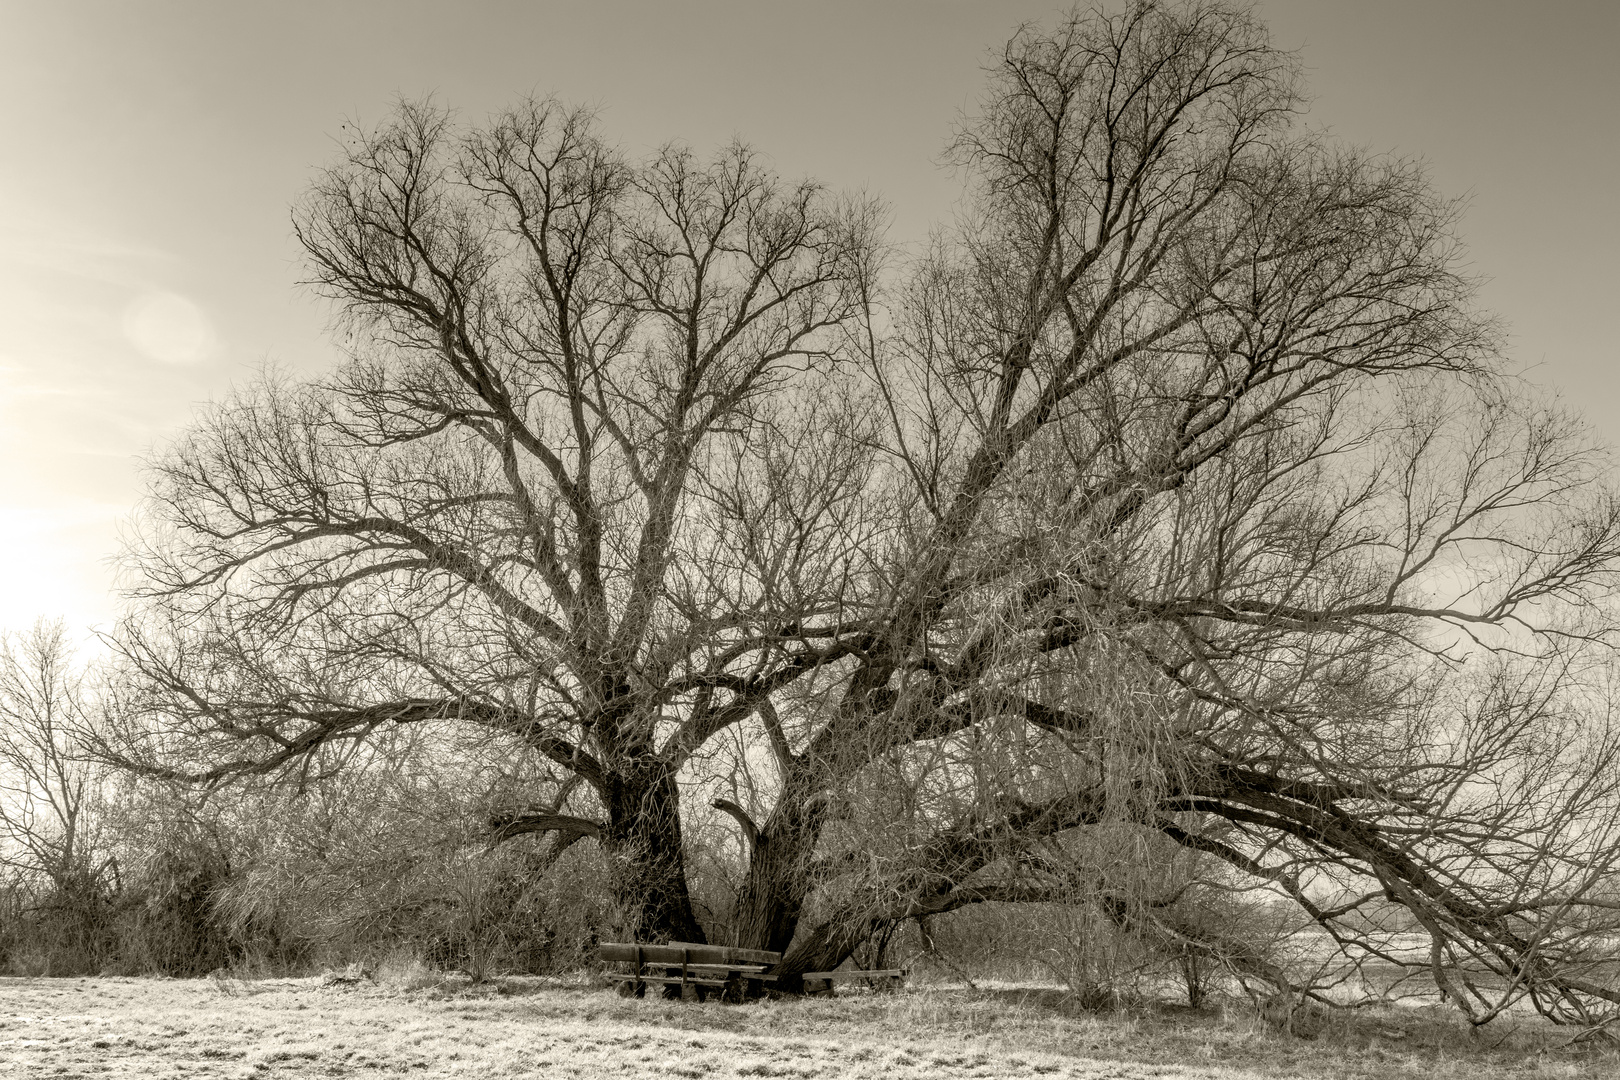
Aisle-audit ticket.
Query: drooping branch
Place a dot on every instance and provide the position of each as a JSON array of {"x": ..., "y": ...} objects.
[
  {"x": 508, "y": 825},
  {"x": 750, "y": 830}
]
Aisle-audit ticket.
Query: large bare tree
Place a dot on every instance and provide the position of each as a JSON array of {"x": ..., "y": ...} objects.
[
  {"x": 1179, "y": 489},
  {"x": 1222, "y": 520},
  {"x": 559, "y": 491}
]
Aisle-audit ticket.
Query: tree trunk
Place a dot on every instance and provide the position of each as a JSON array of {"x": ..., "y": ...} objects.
[
  {"x": 826, "y": 946},
  {"x": 646, "y": 855},
  {"x": 779, "y": 872}
]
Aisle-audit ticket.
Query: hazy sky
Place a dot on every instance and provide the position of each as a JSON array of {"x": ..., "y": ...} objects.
[{"x": 149, "y": 153}]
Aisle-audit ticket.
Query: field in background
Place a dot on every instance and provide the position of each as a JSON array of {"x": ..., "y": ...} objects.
[{"x": 421, "y": 1025}]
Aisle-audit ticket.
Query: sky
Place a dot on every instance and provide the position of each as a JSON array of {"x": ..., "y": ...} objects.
[{"x": 150, "y": 151}]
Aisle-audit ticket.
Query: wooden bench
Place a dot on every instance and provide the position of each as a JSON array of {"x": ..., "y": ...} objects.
[
  {"x": 733, "y": 972},
  {"x": 821, "y": 982}
]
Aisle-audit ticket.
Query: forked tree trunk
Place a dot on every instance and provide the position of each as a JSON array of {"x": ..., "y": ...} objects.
[{"x": 780, "y": 872}]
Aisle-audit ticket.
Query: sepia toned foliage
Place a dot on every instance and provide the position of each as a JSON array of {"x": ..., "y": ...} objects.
[{"x": 1174, "y": 511}]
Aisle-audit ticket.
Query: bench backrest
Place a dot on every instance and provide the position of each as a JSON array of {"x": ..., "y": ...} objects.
[{"x": 677, "y": 952}]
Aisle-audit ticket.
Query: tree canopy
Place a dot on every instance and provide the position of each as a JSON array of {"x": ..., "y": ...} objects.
[{"x": 1175, "y": 499}]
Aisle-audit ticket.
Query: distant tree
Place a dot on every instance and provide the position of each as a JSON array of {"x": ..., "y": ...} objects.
[
  {"x": 59, "y": 872},
  {"x": 1177, "y": 498},
  {"x": 48, "y": 796}
]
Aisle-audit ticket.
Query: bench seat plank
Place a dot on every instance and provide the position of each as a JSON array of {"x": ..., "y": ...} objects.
[
  {"x": 745, "y": 969},
  {"x": 627, "y": 976},
  {"x": 737, "y": 955},
  {"x": 876, "y": 973},
  {"x": 689, "y": 981},
  {"x": 688, "y": 954}
]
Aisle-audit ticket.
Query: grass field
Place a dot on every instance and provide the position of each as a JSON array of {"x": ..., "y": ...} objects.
[{"x": 147, "y": 1028}]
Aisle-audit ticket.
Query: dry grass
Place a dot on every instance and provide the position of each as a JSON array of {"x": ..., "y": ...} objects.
[{"x": 413, "y": 1023}]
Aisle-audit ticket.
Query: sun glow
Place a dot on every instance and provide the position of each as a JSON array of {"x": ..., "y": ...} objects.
[
  {"x": 169, "y": 328},
  {"x": 52, "y": 565}
]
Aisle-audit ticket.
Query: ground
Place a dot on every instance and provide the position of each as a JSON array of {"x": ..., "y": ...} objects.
[{"x": 153, "y": 1028}]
